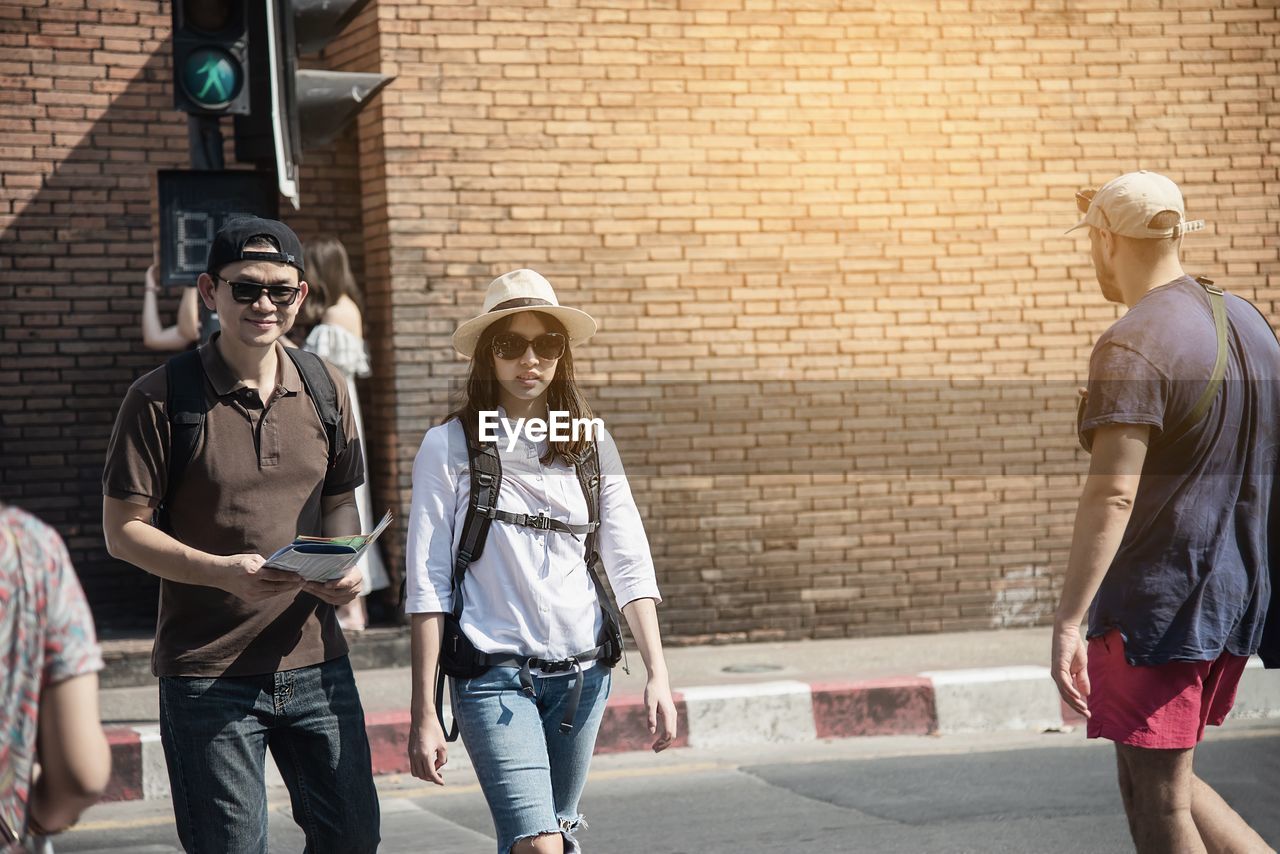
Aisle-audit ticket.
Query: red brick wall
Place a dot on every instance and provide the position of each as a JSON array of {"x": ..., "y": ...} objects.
[
  {"x": 841, "y": 328},
  {"x": 86, "y": 118}
]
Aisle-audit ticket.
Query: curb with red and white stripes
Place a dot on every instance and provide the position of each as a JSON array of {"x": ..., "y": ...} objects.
[{"x": 943, "y": 702}]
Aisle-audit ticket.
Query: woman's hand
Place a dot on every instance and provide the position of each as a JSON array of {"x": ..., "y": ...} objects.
[
  {"x": 428, "y": 750},
  {"x": 661, "y": 711}
]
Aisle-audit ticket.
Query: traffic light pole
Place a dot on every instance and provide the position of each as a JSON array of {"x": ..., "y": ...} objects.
[{"x": 204, "y": 135}]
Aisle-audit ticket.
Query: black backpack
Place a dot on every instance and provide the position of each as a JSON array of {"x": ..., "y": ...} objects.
[
  {"x": 458, "y": 656},
  {"x": 187, "y": 407}
]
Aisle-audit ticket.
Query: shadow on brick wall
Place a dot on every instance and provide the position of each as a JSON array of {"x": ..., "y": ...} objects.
[{"x": 73, "y": 255}]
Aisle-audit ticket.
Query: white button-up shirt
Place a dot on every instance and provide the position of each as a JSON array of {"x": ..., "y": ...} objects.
[{"x": 529, "y": 593}]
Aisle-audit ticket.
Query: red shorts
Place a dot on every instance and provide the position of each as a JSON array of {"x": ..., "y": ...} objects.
[{"x": 1162, "y": 706}]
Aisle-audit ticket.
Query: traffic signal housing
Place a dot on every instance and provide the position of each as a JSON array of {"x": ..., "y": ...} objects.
[
  {"x": 303, "y": 108},
  {"x": 211, "y": 57}
]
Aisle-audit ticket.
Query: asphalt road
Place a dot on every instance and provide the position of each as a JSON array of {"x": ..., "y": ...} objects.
[{"x": 1001, "y": 793}]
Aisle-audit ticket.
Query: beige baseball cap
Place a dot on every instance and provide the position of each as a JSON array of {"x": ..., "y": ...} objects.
[{"x": 1127, "y": 205}]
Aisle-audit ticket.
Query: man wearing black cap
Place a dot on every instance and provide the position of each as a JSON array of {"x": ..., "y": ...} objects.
[{"x": 249, "y": 658}]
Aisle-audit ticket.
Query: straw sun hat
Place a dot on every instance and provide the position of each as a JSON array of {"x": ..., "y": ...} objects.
[{"x": 512, "y": 293}]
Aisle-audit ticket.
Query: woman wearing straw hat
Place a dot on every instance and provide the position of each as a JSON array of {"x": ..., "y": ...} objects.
[{"x": 503, "y": 588}]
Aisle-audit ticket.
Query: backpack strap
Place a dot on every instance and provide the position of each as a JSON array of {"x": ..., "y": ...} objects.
[
  {"x": 486, "y": 479},
  {"x": 324, "y": 396},
  {"x": 1218, "y": 305},
  {"x": 186, "y": 406},
  {"x": 587, "y": 468},
  {"x": 451, "y": 731}
]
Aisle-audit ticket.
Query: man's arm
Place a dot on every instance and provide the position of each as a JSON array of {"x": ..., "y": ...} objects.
[
  {"x": 131, "y": 537},
  {"x": 75, "y": 760},
  {"x": 341, "y": 518},
  {"x": 1106, "y": 503}
]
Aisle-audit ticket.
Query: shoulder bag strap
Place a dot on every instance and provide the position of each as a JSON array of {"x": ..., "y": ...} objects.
[{"x": 1219, "y": 308}]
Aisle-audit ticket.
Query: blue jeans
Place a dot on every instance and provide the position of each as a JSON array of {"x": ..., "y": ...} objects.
[
  {"x": 216, "y": 733},
  {"x": 531, "y": 772}
]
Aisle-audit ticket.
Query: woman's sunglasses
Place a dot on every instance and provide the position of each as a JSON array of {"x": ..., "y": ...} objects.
[
  {"x": 251, "y": 292},
  {"x": 510, "y": 345}
]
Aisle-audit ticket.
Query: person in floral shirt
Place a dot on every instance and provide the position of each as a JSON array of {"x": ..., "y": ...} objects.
[{"x": 49, "y": 659}]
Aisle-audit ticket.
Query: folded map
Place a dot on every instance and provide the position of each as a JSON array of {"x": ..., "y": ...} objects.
[{"x": 325, "y": 558}]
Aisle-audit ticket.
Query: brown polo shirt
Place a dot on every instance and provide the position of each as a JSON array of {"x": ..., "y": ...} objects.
[{"x": 252, "y": 486}]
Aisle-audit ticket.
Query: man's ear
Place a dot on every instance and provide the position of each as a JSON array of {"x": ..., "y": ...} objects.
[
  {"x": 1108, "y": 242},
  {"x": 303, "y": 290},
  {"x": 205, "y": 284}
]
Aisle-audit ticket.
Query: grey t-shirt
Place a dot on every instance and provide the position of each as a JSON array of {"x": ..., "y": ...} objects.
[{"x": 1192, "y": 576}]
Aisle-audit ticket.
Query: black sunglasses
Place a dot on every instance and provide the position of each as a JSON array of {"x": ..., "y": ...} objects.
[
  {"x": 251, "y": 292},
  {"x": 510, "y": 345}
]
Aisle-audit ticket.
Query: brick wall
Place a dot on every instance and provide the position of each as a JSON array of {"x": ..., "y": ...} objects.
[
  {"x": 86, "y": 118},
  {"x": 841, "y": 328}
]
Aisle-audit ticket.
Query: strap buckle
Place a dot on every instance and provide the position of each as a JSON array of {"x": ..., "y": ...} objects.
[
  {"x": 562, "y": 666},
  {"x": 539, "y": 522},
  {"x": 487, "y": 512},
  {"x": 1207, "y": 283}
]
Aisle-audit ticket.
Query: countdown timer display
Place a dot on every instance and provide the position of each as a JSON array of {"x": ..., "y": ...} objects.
[{"x": 195, "y": 204}]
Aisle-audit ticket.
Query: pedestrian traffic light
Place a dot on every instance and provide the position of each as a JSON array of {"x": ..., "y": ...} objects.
[
  {"x": 211, "y": 57},
  {"x": 305, "y": 108}
]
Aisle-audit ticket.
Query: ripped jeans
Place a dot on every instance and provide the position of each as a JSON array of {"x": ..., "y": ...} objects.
[{"x": 531, "y": 772}]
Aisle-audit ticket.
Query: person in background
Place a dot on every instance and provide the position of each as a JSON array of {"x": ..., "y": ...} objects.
[
  {"x": 182, "y": 334},
  {"x": 48, "y": 686},
  {"x": 334, "y": 317}
]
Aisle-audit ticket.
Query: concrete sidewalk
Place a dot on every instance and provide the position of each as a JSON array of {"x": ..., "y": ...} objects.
[{"x": 741, "y": 694}]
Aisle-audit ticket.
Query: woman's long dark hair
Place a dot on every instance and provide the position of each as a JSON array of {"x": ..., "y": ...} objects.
[
  {"x": 563, "y": 395},
  {"x": 329, "y": 277}
]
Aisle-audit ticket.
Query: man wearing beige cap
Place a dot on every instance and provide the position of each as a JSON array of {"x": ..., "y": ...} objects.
[{"x": 1169, "y": 556}]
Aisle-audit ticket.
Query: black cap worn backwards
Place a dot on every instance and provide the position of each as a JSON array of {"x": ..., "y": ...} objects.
[{"x": 229, "y": 242}]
